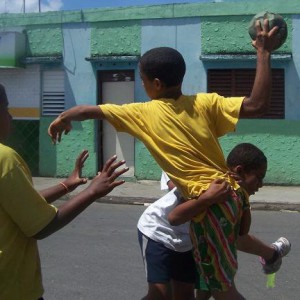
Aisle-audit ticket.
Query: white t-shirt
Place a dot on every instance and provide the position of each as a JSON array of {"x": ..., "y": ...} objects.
[{"x": 154, "y": 223}]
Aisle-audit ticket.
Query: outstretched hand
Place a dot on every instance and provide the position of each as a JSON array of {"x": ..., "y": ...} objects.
[
  {"x": 76, "y": 179},
  {"x": 265, "y": 38},
  {"x": 57, "y": 128},
  {"x": 106, "y": 181}
]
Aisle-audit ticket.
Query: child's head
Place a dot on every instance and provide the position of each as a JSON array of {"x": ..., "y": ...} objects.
[
  {"x": 162, "y": 64},
  {"x": 250, "y": 164},
  {"x": 5, "y": 117}
]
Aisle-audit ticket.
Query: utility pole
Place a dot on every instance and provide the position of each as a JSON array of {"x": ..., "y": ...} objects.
[
  {"x": 24, "y": 6},
  {"x": 39, "y": 6}
]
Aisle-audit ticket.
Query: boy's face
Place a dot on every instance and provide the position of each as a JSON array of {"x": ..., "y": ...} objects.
[
  {"x": 5, "y": 120},
  {"x": 253, "y": 179}
]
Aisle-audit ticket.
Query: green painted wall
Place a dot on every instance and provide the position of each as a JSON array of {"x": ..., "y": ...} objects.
[
  {"x": 59, "y": 160},
  {"x": 280, "y": 141},
  {"x": 226, "y": 34},
  {"x": 223, "y": 28},
  {"x": 145, "y": 166},
  {"x": 117, "y": 38},
  {"x": 44, "y": 40},
  {"x": 25, "y": 140},
  {"x": 47, "y": 150}
]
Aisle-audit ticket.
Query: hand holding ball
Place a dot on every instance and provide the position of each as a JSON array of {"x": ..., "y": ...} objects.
[{"x": 274, "y": 20}]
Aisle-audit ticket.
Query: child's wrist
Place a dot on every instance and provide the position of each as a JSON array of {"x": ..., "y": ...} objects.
[
  {"x": 66, "y": 188},
  {"x": 206, "y": 201},
  {"x": 63, "y": 117}
]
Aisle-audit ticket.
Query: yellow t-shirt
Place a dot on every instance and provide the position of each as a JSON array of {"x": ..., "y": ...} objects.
[
  {"x": 23, "y": 213},
  {"x": 182, "y": 135}
]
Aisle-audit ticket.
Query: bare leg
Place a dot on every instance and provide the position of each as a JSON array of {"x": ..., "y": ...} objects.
[
  {"x": 182, "y": 290},
  {"x": 252, "y": 245},
  {"x": 159, "y": 291},
  {"x": 203, "y": 295},
  {"x": 231, "y": 294}
]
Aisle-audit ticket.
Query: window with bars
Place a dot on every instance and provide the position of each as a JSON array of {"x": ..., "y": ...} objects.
[
  {"x": 239, "y": 82},
  {"x": 53, "y": 93}
]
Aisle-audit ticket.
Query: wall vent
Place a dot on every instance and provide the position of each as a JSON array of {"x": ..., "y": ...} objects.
[{"x": 53, "y": 94}]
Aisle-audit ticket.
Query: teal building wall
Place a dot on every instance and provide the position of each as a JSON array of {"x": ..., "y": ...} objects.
[{"x": 194, "y": 29}]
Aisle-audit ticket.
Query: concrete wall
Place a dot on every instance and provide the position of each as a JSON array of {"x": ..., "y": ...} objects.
[{"x": 193, "y": 29}]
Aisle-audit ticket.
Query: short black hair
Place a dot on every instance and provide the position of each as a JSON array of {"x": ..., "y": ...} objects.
[
  {"x": 3, "y": 97},
  {"x": 248, "y": 156},
  {"x": 164, "y": 63}
]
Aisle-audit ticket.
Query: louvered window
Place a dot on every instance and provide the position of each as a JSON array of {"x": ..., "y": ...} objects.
[
  {"x": 53, "y": 93},
  {"x": 239, "y": 82}
]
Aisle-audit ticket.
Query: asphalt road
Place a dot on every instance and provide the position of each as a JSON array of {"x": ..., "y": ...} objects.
[{"x": 97, "y": 256}]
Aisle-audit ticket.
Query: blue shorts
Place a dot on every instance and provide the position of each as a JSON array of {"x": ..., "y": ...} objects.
[{"x": 163, "y": 264}]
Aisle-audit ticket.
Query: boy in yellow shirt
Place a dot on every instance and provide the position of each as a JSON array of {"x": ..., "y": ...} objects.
[
  {"x": 27, "y": 215},
  {"x": 181, "y": 132}
]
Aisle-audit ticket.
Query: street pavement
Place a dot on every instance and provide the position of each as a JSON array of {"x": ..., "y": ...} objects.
[
  {"x": 146, "y": 191},
  {"x": 97, "y": 256}
]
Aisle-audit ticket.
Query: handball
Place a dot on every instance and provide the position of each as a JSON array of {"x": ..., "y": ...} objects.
[{"x": 274, "y": 20}]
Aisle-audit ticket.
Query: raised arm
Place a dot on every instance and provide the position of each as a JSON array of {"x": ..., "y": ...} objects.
[
  {"x": 100, "y": 186},
  {"x": 217, "y": 192},
  {"x": 62, "y": 124},
  {"x": 258, "y": 102}
]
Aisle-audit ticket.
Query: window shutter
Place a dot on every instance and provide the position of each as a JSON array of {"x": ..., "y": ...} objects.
[
  {"x": 239, "y": 82},
  {"x": 53, "y": 93}
]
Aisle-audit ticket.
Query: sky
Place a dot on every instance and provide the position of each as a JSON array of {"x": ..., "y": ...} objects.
[{"x": 17, "y": 6}]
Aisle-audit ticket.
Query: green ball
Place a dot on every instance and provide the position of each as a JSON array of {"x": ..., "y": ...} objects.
[{"x": 274, "y": 20}]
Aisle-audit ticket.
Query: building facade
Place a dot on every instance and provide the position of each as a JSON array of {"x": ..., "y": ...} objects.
[{"x": 53, "y": 61}]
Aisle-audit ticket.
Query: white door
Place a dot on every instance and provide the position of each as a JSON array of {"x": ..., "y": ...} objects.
[{"x": 121, "y": 144}]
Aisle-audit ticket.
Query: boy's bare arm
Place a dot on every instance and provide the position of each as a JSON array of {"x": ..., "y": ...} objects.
[
  {"x": 62, "y": 124},
  {"x": 217, "y": 192},
  {"x": 70, "y": 184},
  {"x": 100, "y": 186},
  {"x": 245, "y": 222},
  {"x": 258, "y": 102}
]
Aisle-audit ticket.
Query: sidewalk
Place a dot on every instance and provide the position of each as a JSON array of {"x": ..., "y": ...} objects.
[{"x": 145, "y": 191}]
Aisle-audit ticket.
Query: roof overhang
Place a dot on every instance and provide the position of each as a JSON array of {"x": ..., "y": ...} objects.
[
  {"x": 29, "y": 60},
  {"x": 113, "y": 58},
  {"x": 243, "y": 57}
]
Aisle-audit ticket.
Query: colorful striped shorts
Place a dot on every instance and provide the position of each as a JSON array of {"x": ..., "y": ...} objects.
[{"x": 214, "y": 243}]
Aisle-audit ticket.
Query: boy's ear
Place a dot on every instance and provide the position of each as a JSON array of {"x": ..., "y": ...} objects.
[
  {"x": 238, "y": 170},
  {"x": 158, "y": 84}
]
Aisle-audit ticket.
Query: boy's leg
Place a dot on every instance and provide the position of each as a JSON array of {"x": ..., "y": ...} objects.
[
  {"x": 182, "y": 290},
  {"x": 202, "y": 295},
  {"x": 183, "y": 274},
  {"x": 158, "y": 291},
  {"x": 231, "y": 294},
  {"x": 156, "y": 259}
]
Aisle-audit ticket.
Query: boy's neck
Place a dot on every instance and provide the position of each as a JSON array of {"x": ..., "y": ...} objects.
[{"x": 171, "y": 93}]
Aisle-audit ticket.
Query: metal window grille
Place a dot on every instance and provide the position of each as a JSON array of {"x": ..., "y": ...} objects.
[
  {"x": 239, "y": 82},
  {"x": 53, "y": 93}
]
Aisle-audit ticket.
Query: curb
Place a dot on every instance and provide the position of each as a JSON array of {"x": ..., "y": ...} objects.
[
  {"x": 146, "y": 201},
  {"x": 274, "y": 206}
]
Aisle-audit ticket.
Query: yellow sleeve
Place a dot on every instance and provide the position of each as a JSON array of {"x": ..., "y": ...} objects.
[
  {"x": 125, "y": 118},
  {"x": 25, "y": 206},
  {"x": 224, "y": 112}
]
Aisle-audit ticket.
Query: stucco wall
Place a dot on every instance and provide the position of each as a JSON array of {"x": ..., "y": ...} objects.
[{"x": 280, "y": 141}]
